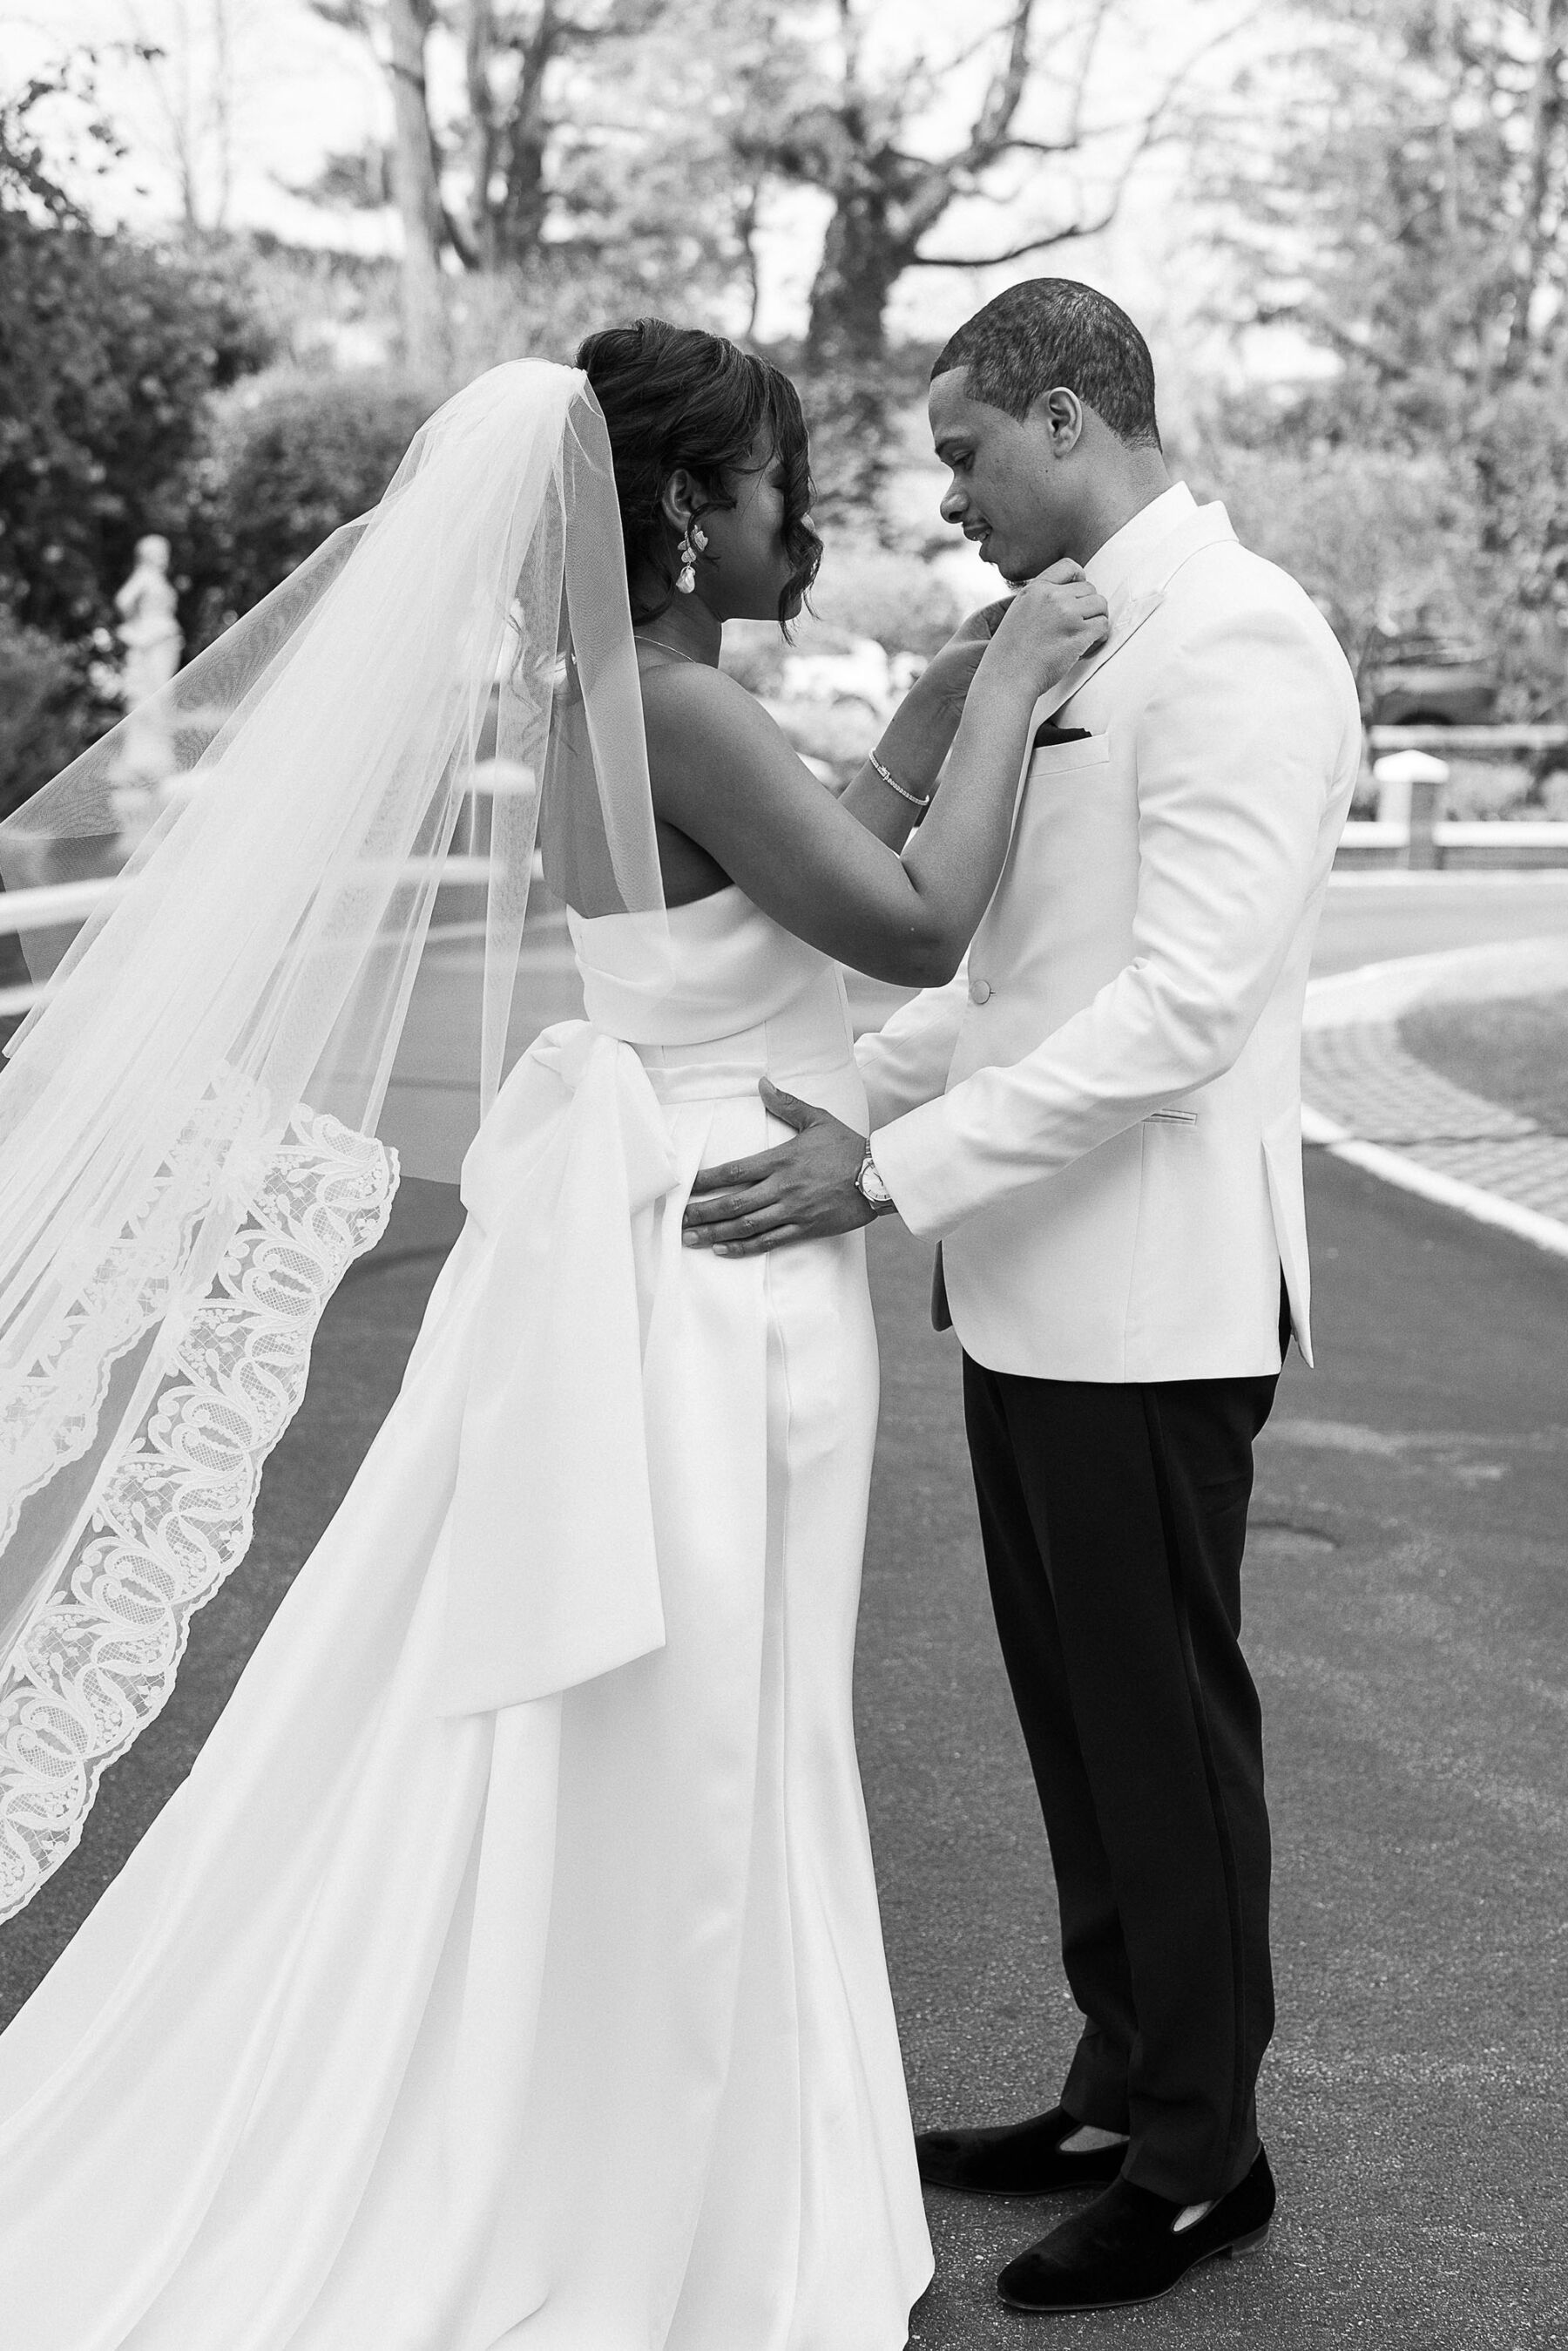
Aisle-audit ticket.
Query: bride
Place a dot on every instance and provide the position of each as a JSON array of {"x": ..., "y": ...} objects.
[{"x": 507, "y": 1970}]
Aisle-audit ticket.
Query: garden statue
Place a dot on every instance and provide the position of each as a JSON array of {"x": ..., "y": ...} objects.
[{"x": 150, "y": 635}]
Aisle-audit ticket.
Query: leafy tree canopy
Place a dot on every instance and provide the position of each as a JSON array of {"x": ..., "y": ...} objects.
[
  {"x": 1403, "y": 204},
  {"x": 1401, "y": 183},
  {"x": 108, "y": 350}
]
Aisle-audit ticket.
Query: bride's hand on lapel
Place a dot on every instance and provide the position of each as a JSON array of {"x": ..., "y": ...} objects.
[
  {"x": 951, "y": 670},
  {"x": 1051, "y": 623}
]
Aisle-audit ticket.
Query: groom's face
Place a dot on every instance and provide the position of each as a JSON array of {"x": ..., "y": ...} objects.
[{"x": 1013, "y": 490}]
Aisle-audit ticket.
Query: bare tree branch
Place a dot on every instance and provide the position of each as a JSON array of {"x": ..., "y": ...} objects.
[
  {"x": 1098, "y": 23},
  {"x": 1040, "y": 244},
  {"x": 1154, "y": 129},
  {"x": 1005, "y": 94},
  {"x": 746, "y": 228}
]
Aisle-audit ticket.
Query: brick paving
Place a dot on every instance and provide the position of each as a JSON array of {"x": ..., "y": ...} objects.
[{"x": 1362, "y": 1077}]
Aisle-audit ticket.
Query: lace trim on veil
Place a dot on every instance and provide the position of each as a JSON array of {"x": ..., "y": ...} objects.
[{"x": 175, "y": 1511}]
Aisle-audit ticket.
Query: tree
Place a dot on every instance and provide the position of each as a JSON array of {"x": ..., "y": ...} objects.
[
  {"x": 108, "y": 351},
  {"x": 416, "y": 180},
  {"x": 848, "y": 132},
  {"x": 1403, "y": 204},
  {"x": 582, "y": 149},
  {"x": 193, "y": 72},
  {"x": 516, "y": 53},
  {"x": 859, "y": 126},
  {"x": 1520, "y": 456},
  {"x": 410, "y": 170},
  {"x": 1406, "y": 208}
]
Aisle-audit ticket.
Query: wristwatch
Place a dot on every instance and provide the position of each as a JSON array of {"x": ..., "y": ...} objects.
[{"x": 872, "y": 1189}]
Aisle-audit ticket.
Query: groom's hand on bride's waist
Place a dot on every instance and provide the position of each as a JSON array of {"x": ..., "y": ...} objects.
[{"x": 802, "y": 1191}]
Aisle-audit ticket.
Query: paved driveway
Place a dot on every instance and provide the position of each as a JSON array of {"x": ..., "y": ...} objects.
[{"x": 1407, "y": 1599}]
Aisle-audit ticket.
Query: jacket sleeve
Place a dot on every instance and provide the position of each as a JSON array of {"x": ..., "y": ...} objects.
[
  {"x": 906, "y": 1061},
  {"x": 1238, "y": 746}
]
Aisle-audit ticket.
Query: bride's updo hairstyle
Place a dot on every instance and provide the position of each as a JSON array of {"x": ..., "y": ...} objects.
[{"x": 676, "y": 397}]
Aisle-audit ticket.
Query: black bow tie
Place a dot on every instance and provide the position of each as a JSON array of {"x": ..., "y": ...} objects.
[{"x": 1048, "y": 732}]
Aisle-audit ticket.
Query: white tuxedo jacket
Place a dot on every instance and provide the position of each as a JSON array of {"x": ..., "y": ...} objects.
[{"x": 1101, "y": 1118}]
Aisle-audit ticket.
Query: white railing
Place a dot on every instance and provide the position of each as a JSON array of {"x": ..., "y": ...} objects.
[
  {"x": 1421, "y": 840},
  {"x": 58, "y": 905}
]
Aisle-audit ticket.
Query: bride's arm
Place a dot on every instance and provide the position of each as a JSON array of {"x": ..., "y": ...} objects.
[
  {"x": 919, "y": 735},
  {"x": 723, "y": 774}
]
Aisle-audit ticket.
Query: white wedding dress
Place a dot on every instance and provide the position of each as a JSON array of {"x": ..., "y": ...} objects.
[{"x": 430, "y": 2016}]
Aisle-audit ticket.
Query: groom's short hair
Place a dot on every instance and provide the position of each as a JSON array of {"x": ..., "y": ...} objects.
[{"x": 1051, "y": 333}]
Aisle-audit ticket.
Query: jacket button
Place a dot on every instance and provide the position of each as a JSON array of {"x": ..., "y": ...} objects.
[{"x": 980, "y": 991}]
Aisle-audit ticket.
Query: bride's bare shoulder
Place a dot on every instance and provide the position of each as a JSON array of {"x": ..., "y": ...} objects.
[{"x": 693, "y": 714}]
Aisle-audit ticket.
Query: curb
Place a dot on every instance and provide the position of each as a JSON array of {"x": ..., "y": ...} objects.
[
  {"x": 1445, "y": 1191},
  {"x": 1379, "y": 994},
  {"x": 1386, "y": 991}
]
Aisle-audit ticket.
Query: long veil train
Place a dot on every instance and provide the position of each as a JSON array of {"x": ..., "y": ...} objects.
[{"x": 201, "y": 1123}]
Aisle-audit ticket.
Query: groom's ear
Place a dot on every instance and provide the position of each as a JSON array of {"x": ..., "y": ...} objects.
[{"x": 1059, "y": 415}]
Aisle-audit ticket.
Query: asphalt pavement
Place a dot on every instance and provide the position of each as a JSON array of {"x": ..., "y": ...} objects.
[
  {"x": 1407, "y": 1599},
  {"x": 1371, "y": 917}
]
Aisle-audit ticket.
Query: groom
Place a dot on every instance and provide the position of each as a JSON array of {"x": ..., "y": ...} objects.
[{"x": 1099, "y": 1122}]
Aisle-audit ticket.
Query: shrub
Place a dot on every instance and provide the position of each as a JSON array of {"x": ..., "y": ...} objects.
[
  {"x": 1520, "y": 458},
  {"x": 284, "y": 464},
  {"x": 49, "y": 709},
  {"x": 109, "y": 350}
]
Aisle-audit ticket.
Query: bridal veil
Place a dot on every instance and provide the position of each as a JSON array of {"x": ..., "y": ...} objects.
[{"x": 201, "y": 1122}]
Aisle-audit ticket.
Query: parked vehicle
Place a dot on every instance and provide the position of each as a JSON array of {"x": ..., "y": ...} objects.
[{"x": 1416, "y": 679}]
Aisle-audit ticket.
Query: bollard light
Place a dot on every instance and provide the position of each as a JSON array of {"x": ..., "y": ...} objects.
[{"x": 1409, "y": 788}]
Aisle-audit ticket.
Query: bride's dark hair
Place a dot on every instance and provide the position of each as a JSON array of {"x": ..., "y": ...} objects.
[{"x": 674, "y": 396}]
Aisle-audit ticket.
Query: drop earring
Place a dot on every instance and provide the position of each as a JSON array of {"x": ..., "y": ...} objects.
[{"x": 693, "y": 543}]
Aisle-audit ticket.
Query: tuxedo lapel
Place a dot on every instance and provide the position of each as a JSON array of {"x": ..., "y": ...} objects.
[
  {"x": 1207, "y": 526},
  {"x": 1124, "y": 626}
]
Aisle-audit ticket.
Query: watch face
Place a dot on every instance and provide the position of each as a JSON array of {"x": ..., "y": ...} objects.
[{"x": 871, "y": 1187}]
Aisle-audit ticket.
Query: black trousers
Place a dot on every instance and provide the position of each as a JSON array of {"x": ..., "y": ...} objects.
[{"x": 1113, "y": 1520}]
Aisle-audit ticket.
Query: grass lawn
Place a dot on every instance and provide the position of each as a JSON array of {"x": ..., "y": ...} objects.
[{"x": 1514, "y": 1052}]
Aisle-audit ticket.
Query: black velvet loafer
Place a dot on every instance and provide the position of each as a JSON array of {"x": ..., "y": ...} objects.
[
  {"x": 1124, "y": 2247},
  {"x": 1016, "y": 2159}
]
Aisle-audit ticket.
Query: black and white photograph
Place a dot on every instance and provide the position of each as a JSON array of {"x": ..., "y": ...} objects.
[{"x": 783, "y": 1174}]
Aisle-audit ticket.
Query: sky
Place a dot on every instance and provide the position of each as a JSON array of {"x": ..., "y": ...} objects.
[{"x": 302, "y": 88}]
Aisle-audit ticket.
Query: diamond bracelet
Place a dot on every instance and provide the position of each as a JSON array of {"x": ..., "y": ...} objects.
[{"x": 894, "y": 785}]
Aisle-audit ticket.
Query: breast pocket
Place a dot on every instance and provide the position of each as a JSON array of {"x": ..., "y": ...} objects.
[{"x": 1056, "y": 759}]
